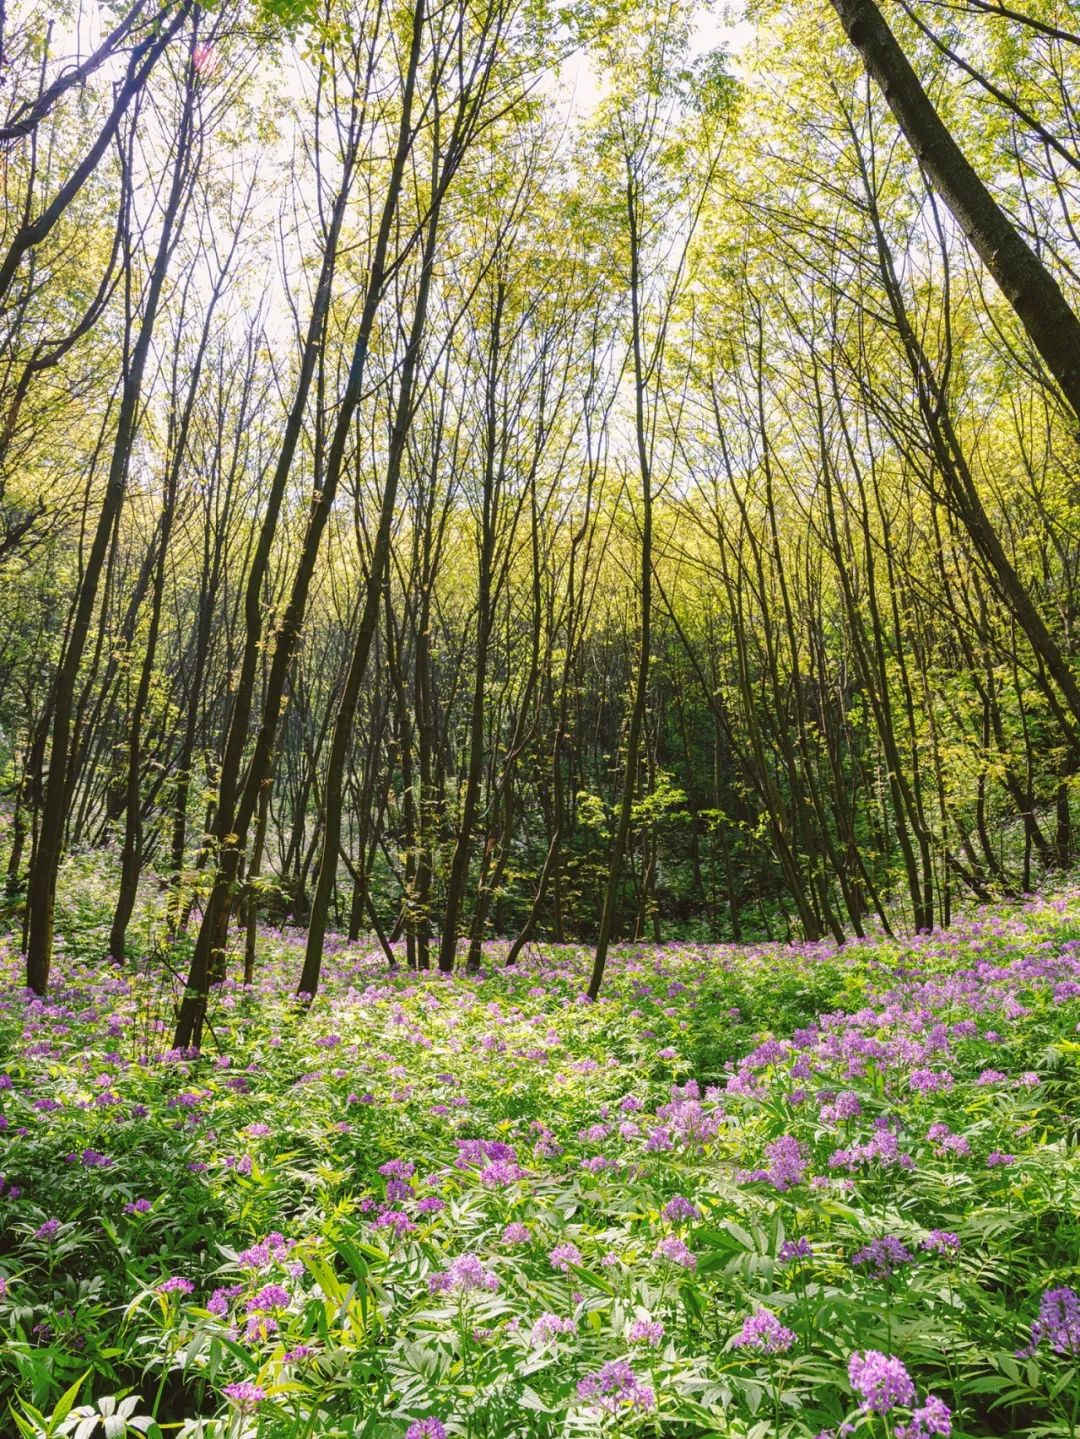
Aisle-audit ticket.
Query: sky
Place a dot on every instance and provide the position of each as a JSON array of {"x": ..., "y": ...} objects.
[{"x": 578, "y": 84}]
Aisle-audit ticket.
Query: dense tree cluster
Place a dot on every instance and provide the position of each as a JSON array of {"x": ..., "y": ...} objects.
[{"x": 429, "y": 511}]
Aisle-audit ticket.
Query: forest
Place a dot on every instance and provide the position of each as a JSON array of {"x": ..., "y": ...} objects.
[{"x": 540, "y": 553}]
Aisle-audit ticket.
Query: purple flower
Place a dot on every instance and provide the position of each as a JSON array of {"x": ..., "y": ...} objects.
[
  {"x": 675, "y": 1251},
  {"x": 481, "y": 1151},
  {"x": 48, "y": 1230},
  {"x": 646, "y": 1331},
  {"x": 616, "y": 1384},
  {"x": 138, "y": 1206},
  {"x": 563, "y": 1255},
  {"x": 273, "y": 1247},
  {"x": 218, "y": 1303},
  {"x": 398, "y": 1169},
  {"x": 244, "y": 1394},
  {"x": 500, "y": 1172},
  {"x": 464, "y": 1274},
  {"x": 846, "y": 1105},
  {"x": 880, "y": 1381},
  {"x": 547, "y": 1327},
  {"x": 269, "y": 1298},
  {"x": 396, "y": 1220},
  {"x": 259, "y": 1326},
  {"x": 997, "y": 1160},
  {"x": 943, "y": 1242},
  {"x": 764, "y": 1332},
  {"x": 595, "y": 1133},
  {"x": 176, "y": 1284},
  {"x": 1058, "y": 1323},
  {"x": 426, "y": 1429},
  {"x": 883, "y": 1255},
  {"x": 787, "y": 1165},
  {"x": 515, "y": 1233},
  {"x": 678, "y": 1207},
  {"x": 793, "y": 1249},
  {"x": 932, "y": 1418}
]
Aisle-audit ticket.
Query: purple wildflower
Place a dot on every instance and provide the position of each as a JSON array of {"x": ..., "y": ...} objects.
[
  {"x": 244, "y": 1394},
  {"x": 679, "y": 1207},
  {"x": 932, "y": 1418},
  {"x": 500, "y": 1172},
  {"x": 426, "y": 1429},
  {"x": 764, "y": 1332},
  {"x": 616, "y": 1384},
  {"x": 548, "y": 1327},
  {"x": 673, "y": 1249},
  {"x": 1058, "y": 1323},
  {"x": 398, "y": 1169},
  {"x": 218, "y": 1303},
  {"x": 646, "y": 1331},
  {"x": 176, "y": 1284},
  {"x": 563, "y": 1255},
  {"x": 943, "y": 1242},
  {"x": 880, "y": 1381},
  {"x": 396, "y": 1220},
  {"x": 884, "y": 1256},
  {"x": 269, "y": 1298},
  {"x": 464, "y": 1274},
  {"x": 792, "y": 1249},
  {"x": 787, "y": 1165}
]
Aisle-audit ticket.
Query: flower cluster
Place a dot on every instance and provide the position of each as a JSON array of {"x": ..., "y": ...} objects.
[
  {"x": 1058, "y": 1324},
  {"x": 466, "y": 1273},
  {"x": 616, "y": 1385},
  {"x": 764, "y": 1332}
]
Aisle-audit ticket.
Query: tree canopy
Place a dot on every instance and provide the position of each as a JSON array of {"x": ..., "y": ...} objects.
[{"x": 435, "y": 504}]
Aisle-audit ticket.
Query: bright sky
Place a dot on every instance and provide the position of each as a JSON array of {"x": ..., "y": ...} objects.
[{"x": 578, "y": 84}]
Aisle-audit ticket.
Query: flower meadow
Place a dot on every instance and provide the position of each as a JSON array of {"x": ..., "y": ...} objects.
[{"x": 769, "y": 1190}]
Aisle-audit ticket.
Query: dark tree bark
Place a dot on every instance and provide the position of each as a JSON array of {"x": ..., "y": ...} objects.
[
  {"x": 1025, "y": 282},
  {"x": 42, "y": 889}
]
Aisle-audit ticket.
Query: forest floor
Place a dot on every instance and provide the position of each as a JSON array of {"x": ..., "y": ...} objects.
[{"x": 753, "y": 1191}]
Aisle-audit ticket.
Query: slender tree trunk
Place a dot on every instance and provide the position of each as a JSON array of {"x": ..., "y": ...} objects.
[
  {"x": 641, "y": 676},
  {"x": 42, "y": 889},
  {"x": 369, "y": 619},
  {"x": 459, "y": 865}
]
